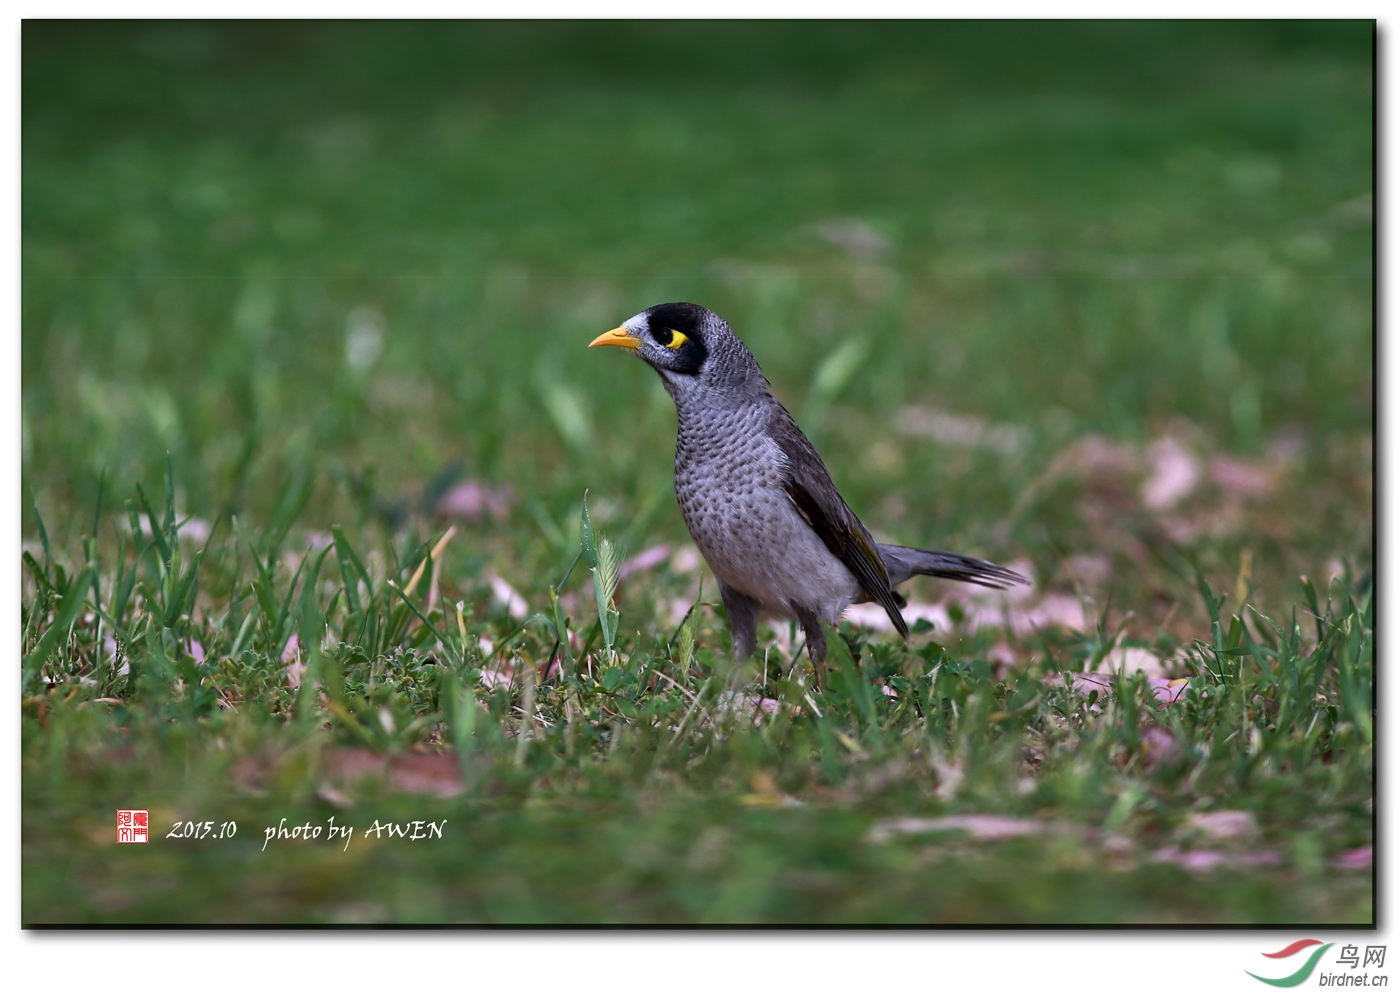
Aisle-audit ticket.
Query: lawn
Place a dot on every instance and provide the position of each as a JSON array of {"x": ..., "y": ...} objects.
[{"x": 309, "y": 423}]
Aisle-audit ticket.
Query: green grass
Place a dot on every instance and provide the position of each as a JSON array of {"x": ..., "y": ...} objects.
[{"x": 295, "y": 281}]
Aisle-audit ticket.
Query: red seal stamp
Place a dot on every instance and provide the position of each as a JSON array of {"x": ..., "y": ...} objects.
[{"x": 133, "y": 826}]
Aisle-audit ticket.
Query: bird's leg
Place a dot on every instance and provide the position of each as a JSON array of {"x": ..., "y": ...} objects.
[
  {"x": 742, "y": 611},
  {"x": 816, "y": 642}
]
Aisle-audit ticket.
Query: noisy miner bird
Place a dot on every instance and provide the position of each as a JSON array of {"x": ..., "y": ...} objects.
[{"x": 757, "y": 499}]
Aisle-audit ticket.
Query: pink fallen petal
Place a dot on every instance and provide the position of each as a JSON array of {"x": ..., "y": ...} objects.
[
  {"x": 1181, "y": 531},
  {"x": 1131, "y": 659},
  {"x": 1355, "y": 858},
  {"x": 470, "y": 500},
  {"x": 1243, "y": 478},
  {"x": 1223, "y": 825},
  {"x": 349, "y": 763},
  {"x": 196, "y": 651},
  {"x": 853, "y": 236},
  {"x": 507, "y": 595},
  {"x": 934, "y": 614},
  {"x": 191, "y": 529},
  {"x": 1164, "y": 690},
  {"x": 436, "y": 772},
  {"x": 982, "y": 827},
  {"x": 734, "y": 701},
  {"x": 194, "y": 530},
  {"x": 1003, "y": 654},
  {"x": 294, "y": 672},
  {"x": 874, "y": 616},
  {"x": 497, "y": 678},
  {"x": 1012, "y": 608},
  {"x": 1167, "y": 690},
  {"x": 1096, "y": 457},
  {"x": 648, "y": 559},
  {"x": 1206, "y": 859},
  {"x": 1092, "y": 683},
  {"x": 686, "y": 559},
  {"x": 1089, "y": 570},
  {"x": 964, "y": 430},
  {"x": 291, "y": 659},
  {"x": 680, "y": 607},
  {"x": 1173, "y": 475},
  {"x": 1158, "y": 745},
  {"x": 1196, "y": 860},
  {"x": 1054, "y": 609},
  {"x": 1288, "y": 446}
]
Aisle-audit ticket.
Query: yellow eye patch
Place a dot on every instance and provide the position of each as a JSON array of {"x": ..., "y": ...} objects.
[{"x": 677, "y": 340}]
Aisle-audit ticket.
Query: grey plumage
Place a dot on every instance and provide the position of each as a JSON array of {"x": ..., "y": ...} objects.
[
  {"x": 756, "y": 497},
  {"x": 903, "y": 564}
]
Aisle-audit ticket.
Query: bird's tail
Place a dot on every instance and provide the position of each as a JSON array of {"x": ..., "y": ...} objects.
[{"x": 905, "y": 563}]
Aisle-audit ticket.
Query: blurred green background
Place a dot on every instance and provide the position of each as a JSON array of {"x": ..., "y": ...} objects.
[
  {"x": 1012, "y": 278},
  {"x": 1074, "y": 226}
]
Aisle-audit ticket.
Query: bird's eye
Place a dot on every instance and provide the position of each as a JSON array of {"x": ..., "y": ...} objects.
[{"x": 677, "y": 340}]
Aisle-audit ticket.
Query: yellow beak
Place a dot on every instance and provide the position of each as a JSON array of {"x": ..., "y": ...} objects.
[{"x": 618, "y": 336}]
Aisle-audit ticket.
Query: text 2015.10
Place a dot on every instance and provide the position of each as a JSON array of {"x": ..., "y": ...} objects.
[{"x": 203, "y": 829}]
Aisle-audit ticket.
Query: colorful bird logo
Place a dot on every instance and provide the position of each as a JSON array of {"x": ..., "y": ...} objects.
[{"x": 1302, "y": 973}]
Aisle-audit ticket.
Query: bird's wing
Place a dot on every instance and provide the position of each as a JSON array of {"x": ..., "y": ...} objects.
[{"x": 810, "y": 487}]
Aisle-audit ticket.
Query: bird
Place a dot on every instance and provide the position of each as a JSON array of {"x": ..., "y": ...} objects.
[{"x": 756, "y": 497}]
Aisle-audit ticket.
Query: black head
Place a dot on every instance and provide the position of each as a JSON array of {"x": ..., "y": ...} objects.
[{"x": 684, "y": 342}]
